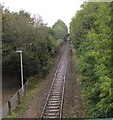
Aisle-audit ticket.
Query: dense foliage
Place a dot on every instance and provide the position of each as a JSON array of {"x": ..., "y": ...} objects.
[
  {"x": 60, "y": 30},
  {"x": 33, "y": 37},
  {"x": 90, "y": 32}
]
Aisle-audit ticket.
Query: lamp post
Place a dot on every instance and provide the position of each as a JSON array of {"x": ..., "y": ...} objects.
[{"x": 19, "y": 51}]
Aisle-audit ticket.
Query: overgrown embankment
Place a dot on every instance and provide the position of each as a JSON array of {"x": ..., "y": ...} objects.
[{"x": 90, "y": 32}]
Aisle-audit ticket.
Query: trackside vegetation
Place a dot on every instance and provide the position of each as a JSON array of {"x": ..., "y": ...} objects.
[
  {"x": 90, "y": 32},
  {"x": 38, "y": 42}
]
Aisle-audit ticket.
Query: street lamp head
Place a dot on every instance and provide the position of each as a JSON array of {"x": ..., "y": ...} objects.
[{"x": 19, "y": 51}]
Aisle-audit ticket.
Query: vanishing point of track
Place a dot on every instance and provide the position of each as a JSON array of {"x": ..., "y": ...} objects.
[{"x": 54, "y": 103}]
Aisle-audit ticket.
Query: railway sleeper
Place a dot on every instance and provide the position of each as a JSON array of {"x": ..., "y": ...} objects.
[
  {"x": 54, "y": 99},
  {"x": 55, "y": 91},
  {"x": 52, "y": 110},
  {"x": 51, "y": 117},
  {"x": 51, "y": 114},
  {"x": 57, "y": 87},
  {"x": 55, "y": 94},
  {"x": 60, "y": 77},
  {"x": 53, "y": 107},
  {"x": 53, "y": 104},
  {"x": 58, "y": 84},
  {"x": 51, "y": 101}
]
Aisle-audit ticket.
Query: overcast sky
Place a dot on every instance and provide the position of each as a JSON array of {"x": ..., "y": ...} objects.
[{"x": 50, "y": 10}]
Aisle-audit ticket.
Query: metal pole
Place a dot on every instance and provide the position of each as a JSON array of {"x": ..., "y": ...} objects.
[{"x": 22, "y": 71}]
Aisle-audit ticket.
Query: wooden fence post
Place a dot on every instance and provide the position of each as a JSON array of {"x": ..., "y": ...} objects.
[
  {"x": 9, "y": 106},
  {"x": 18, "y": 97}
]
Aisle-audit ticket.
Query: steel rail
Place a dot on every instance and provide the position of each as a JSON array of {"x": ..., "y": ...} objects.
[
  {"x": 62, "y": 101},
  {"x": 61, "y": 109},
  {"x": 50, "y": 91},
  {"x": 48, "y": 96}
]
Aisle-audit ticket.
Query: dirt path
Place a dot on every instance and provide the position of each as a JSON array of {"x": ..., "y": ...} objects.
[{"x": 73, "y": 105}]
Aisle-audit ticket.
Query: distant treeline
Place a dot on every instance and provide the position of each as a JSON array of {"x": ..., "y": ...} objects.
[
  {"x": 38, "y": 42},
  {"x": 91, "y": 35}
]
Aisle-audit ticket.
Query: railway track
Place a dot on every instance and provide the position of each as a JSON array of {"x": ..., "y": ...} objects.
[{"x": 54, "y": 103}]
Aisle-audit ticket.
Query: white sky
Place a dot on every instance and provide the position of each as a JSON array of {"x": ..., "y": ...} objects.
[{"x": 50, "y": 10}]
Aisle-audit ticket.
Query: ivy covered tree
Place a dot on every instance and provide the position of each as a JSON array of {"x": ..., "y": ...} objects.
[{"x": 90, "y": 32}]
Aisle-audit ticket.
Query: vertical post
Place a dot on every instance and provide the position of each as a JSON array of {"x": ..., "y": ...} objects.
[
  {"x": 9, "y": 106},
  {"x": 18, "y": 97},
  {"x": 22, "y": 71}
]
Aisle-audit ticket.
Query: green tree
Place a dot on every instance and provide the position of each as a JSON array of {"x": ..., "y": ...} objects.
[
  {"x": 33, "y": 37},
  {"x": 60, "y": 30},
  {"x": 90, "y": 31}
]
